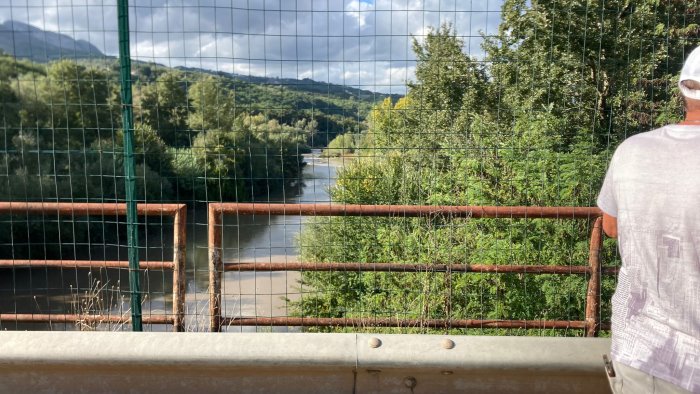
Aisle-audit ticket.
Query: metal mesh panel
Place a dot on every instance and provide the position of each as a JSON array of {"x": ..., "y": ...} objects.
[{"x": 420, "y": 137}]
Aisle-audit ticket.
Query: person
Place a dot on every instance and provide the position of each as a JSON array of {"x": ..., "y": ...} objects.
[{"x": 650, "y": 200}]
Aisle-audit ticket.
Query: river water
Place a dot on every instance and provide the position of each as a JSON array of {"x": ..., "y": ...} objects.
[{"x": 258, "y": 238}]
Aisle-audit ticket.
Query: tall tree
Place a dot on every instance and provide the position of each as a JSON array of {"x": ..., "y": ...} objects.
[
  {"x": 212, "y": 105},
  {"x": 164, "y": 107}
]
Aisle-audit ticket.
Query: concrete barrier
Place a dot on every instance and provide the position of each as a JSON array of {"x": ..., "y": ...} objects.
[{"x": 304, "y": 363}]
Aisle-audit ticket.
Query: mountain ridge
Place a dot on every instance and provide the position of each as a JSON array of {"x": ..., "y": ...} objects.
[{"x": 24, "y": 41}]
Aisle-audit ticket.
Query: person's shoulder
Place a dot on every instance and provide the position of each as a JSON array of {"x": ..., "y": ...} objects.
[
  {"x": 645, "y": 137},
  {"x": 640, "y": 141}
]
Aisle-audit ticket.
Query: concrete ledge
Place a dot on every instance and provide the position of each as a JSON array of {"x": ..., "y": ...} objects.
[{"x": 248, "y": 363}]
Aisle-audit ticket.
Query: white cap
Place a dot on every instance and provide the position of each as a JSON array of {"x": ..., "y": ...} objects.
[{"x": 691, "y": 70}]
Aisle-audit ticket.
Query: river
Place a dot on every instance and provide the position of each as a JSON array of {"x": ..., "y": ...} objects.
[{"x": 255, "y": 239}]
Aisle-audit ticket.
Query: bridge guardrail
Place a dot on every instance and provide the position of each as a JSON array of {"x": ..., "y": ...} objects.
[{"x": 591, "y": 324}]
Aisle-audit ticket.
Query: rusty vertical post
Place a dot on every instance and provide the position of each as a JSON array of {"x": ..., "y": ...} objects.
[
  {"x": 179, "y": 273},
  {"x": 593, "y": 292},
  {"x": 448, "y": 298},
  {"x": 216, "y": 268}
]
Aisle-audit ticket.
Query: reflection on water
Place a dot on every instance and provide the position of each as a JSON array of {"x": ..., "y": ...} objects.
[{"x": 245, "y": 238}]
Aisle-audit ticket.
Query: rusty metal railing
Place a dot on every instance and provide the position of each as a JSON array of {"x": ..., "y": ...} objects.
[
  {"x": 591, "y": 324},
  {"x": 177, "y": 211}
]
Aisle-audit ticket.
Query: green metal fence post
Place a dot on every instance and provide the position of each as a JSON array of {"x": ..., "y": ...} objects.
[{"x": 129, "y": 173}]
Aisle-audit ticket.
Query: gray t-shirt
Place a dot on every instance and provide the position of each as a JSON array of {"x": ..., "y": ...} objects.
[{"x": 653, "y": 188}]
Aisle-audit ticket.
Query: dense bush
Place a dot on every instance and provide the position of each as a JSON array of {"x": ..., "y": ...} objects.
[{"x": 344, "y": 144}]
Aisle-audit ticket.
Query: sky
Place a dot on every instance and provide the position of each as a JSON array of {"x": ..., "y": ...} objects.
[{"x": 359, "y": 43}]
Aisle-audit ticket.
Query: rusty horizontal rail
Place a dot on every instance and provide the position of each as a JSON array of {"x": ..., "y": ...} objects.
[
  {"x": 88, "y": 318},
  {"x": 406, "y": 210},
  {"x": 145, "y": 265},
  {"x": 404, "y": 323},
  {"x": 404, "y": 267},
  {"x": 177, "y": 211},
  {"x": 86, "y": 209}
]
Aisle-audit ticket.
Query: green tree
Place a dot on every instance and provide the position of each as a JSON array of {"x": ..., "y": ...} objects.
[
  {"x": 446, "y": 78},
  {"x": 612, "y": 75},
  {"x": 212, "y": 105},
  {"x": 9, "y": 106},
  {"x": 223, "y": 157},
  {"x": 80, "y": 100},
  {"x": 164, "y": 107}
]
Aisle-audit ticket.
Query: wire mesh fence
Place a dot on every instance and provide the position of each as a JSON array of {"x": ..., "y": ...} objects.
[{"x": 440, "y": 109}]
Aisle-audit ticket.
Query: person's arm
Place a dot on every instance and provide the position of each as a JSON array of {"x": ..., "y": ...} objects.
[
  {"x": 607, "y": 201},
  {"x": 610, "y": 225}
]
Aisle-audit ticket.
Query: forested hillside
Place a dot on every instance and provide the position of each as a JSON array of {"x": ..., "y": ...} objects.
[
  {"x": 199, "y": 136},
  {"x": 532, "y": 123}
]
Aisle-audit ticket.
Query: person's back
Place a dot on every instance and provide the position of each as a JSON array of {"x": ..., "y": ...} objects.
[
  {"x": 652, "y": 188},
  {"x": 656, "y": 199}
]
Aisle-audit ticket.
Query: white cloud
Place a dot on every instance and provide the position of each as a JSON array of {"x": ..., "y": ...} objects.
[
  {"x": 359, "y": 10},
  {"x": 364, "y": 43}
]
